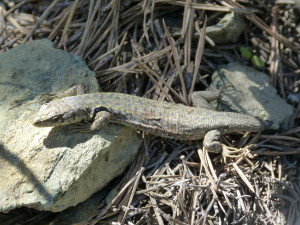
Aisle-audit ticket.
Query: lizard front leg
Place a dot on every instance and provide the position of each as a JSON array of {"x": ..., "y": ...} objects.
[
  {"x": 101, "y": 119},
  {"x": 72, "y": 91}
]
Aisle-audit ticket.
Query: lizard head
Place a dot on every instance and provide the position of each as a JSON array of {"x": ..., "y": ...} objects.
[{"x": 56, "y": 113}]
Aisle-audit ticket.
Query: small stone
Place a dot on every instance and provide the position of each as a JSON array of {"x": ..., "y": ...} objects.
[
  {"x": 228, "y": 30},
  {"x": 248, "y": 91}
]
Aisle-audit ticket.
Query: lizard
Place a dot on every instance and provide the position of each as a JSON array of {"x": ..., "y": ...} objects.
[{"x": 163, "y": 119}]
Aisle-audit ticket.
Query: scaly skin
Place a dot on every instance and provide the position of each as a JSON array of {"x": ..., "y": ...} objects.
[{"x": 158, "y": 118}]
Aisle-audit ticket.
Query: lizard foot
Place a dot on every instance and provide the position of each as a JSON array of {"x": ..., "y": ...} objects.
[
  {"x": 82, "y": 127},
  {"x": 232, "y": 152}
]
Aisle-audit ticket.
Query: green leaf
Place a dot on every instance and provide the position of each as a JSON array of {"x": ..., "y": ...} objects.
[
  {"x": 246, "y": 53},
  {"x": 257, "y": 61}
]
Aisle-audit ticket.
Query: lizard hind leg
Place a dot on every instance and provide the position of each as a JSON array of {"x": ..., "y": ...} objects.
[
  {"x": 205, "y": 99},
  {"x": 202, "y": 99},
  {"x": 211, "y": 141}
]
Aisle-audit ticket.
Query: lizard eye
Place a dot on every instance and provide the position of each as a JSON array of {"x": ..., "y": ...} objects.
[
  {"x": 101, "y": 108},
  {"x": 56, "y": 118}
]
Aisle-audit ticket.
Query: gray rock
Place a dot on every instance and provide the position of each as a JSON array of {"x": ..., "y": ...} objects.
[
  {"x": 228, "y": 30},
  {"x": 52, "y": 168},
  {"x": 247, "y": 90}
]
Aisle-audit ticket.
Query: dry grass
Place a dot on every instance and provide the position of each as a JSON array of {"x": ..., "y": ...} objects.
[{"x": 130, "y": 47}]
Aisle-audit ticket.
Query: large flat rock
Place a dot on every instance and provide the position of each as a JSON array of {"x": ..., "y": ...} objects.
[{"x": 52, "y": 168}]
